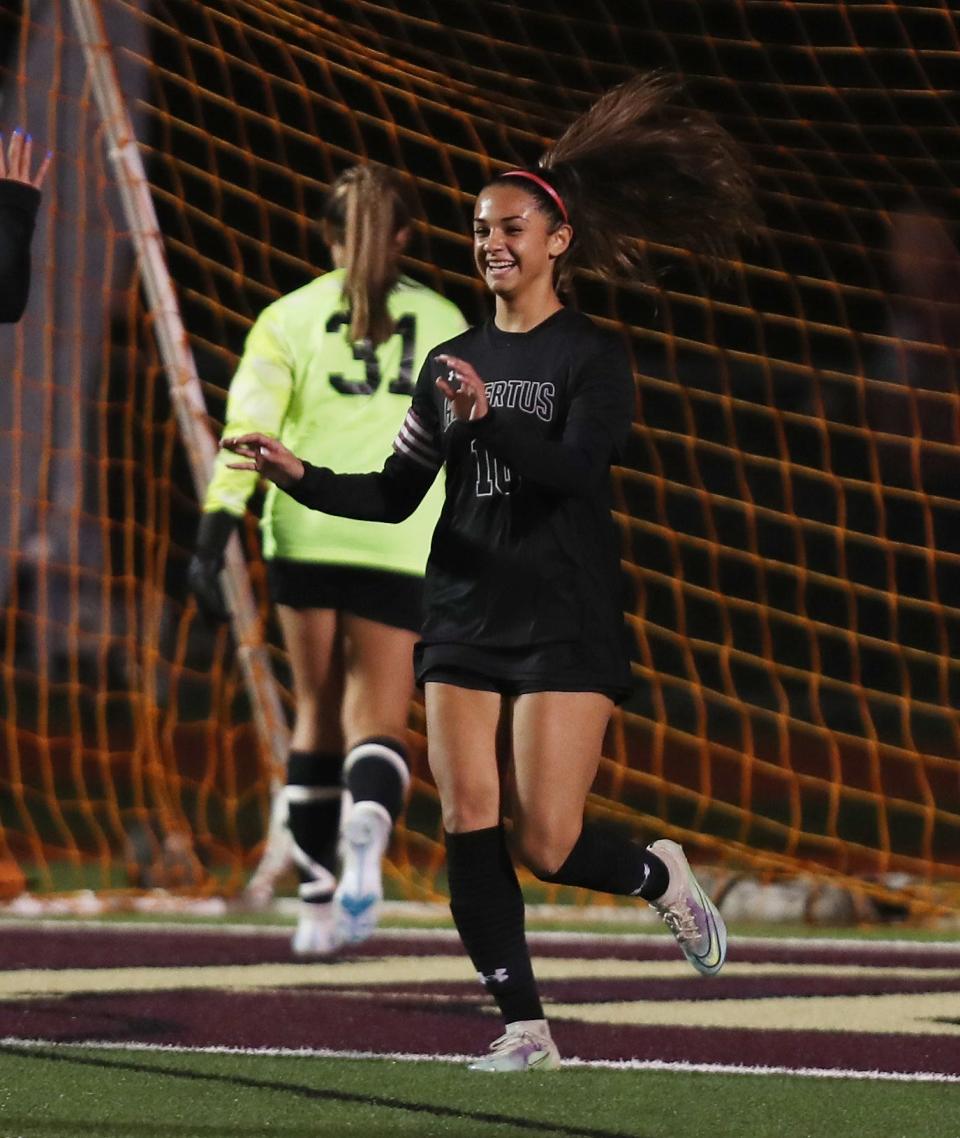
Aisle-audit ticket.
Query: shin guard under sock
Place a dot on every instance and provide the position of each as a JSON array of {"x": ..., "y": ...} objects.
[{"x": 487, "y": 907}]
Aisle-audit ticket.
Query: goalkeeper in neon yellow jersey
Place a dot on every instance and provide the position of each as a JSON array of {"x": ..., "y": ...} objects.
[{"x": 330, "y": 370}]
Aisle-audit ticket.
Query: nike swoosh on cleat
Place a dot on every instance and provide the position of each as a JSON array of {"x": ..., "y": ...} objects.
[{"x": 712, "y": 956}]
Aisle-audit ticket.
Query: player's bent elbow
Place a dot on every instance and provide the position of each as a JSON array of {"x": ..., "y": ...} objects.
[
  {"x": 580, "y": 474},
  {"x": 394, "y": 516}
]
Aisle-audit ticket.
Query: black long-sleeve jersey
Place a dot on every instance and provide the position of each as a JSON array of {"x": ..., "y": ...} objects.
[
  {"x": 18, "y": 213},
  {"x": 525, "y": 550}
]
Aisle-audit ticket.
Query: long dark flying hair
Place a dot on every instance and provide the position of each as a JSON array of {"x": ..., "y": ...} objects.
[
  {"x": 365, "y": 209},
  {"x": 640, "y": 166}
]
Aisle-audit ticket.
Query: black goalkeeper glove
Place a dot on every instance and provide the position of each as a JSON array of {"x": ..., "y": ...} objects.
[{"x": 203, "y": 572}]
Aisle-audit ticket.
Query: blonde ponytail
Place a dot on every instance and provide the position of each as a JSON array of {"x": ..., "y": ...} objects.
[{"x": 366, "y": 209}]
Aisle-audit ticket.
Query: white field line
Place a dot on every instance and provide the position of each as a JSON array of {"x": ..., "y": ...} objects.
[
  {"x": 450, "y": 935},
  {"x": 404, "y": 1057}
]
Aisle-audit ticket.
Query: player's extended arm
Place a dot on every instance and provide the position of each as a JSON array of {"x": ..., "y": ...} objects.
[{"x": 388, "y": 495}]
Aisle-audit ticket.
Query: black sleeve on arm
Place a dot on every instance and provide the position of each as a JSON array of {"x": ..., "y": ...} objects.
[
  {"x": 18, "y": 213},
  {"x": 388, "y": 496},
  {"x": 597, "y": 426}
]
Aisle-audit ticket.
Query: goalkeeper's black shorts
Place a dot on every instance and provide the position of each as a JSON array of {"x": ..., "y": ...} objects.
[{"x": 394, "y": 599}]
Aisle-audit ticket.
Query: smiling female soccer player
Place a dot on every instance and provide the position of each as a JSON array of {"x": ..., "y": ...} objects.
[{"x": 523, "y": 596}]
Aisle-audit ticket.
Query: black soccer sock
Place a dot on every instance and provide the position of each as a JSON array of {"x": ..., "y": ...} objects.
[
  {"x": 487, "y": 907},
  {"x": 313, "y": 795},
  {"x": 375, "y": 770},
  {"x": 608, "y": 862}
]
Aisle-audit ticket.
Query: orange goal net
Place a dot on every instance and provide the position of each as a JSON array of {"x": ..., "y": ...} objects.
[{"x": 788, "y": 505}]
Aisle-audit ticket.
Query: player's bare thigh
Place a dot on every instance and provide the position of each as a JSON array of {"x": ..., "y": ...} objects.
[
  {"x": 462, "y": 750},
  {"x": 310, "y": 638},
  {"x": 557, "y": 743},
  {"x": 378, "y": 678}
]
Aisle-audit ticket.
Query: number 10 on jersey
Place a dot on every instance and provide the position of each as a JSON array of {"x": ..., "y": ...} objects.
[{"x": 493, "y": 476}]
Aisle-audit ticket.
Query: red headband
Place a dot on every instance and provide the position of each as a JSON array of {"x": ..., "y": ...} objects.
[{"x": 544, "y": 185}]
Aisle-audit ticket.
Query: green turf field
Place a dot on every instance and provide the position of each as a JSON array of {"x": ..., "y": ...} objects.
[
  {"x": 76, "y": 1093},
  {"x": 59, "y": 1091}
]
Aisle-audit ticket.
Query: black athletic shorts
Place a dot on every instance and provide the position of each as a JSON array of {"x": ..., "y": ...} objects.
[
  {"x": 394, "y": 599},
  {"x": 564, "y": 666}
]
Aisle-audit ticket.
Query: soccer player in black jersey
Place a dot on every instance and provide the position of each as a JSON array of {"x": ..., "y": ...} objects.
[
  {"x": 19, "y": 202},
  {"x": 523, "y": 598}
]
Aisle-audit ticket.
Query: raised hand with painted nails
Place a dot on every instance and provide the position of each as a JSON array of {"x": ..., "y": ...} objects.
[
  {"x": 20, "y": 187},
  {"x": 16, "y": 161}
]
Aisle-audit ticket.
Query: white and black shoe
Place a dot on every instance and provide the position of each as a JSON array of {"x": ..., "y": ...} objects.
[
  {"x": 526, "y": 1045},
  {"x": 689, "y": 913}
]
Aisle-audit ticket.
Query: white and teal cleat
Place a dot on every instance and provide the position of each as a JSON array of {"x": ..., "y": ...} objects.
[
  {"x": 689, "y": 913},
  {"x": 526, "y": 1045},
  {"x": 357, "y": 900}
]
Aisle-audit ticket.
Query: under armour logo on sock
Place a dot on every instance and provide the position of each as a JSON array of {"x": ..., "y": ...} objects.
[{"x": 499, "y": 976}]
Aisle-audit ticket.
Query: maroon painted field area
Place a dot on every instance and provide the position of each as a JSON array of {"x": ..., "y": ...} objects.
[{"x": 777, "y": 1004}]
